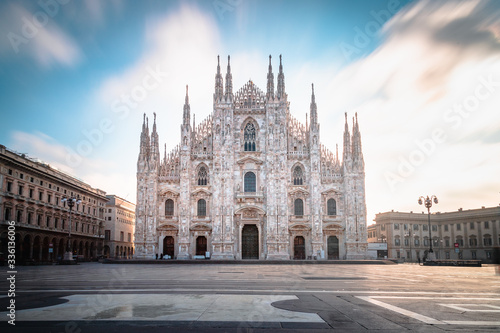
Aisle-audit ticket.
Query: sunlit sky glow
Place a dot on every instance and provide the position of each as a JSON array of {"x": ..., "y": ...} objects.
[{"x": 423, "y": 76}]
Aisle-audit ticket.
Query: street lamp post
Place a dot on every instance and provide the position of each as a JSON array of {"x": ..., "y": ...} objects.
[
  {"x": 68, "y": 256},
  {"x": 428, "y": 204}
]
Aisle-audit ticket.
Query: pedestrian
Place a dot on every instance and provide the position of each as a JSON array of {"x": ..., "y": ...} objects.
[
  {"x": 161, "y": 255},
  {"x": 418, "y": 260},
  {"x": 156, "y": 256}
]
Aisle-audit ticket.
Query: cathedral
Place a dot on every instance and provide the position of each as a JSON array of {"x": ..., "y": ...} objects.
[{"x": 251, "y": 182}]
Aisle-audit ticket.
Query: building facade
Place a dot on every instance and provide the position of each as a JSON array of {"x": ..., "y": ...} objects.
[
  {"x": 30, "y": 195},
  {"x": 119, "y": 228},
  {"x": 463, "y": 234},
  {"x": 251, "y": 182}
]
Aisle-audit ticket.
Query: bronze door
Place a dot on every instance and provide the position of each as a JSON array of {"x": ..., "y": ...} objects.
[
  {"x": 333, "y": 247},
  {"x": 299, "y": 248},
  {"x": 201, "y": 245},
  {"x": 168, "y": 246},
  {"x": 250, "y": 242}
]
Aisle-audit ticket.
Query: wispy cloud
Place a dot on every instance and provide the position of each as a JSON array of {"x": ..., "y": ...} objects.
[
  {"x": 37, "y": 35},
  {"x": 434, "y": 60}
]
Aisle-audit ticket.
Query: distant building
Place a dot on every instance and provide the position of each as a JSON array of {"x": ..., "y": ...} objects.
[
  {"x": 119, "y": 228},
  {"x": 463, "y": 234},
  {"x": 30, "y": 195}
]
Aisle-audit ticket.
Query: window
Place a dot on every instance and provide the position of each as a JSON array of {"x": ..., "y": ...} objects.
[
  {"x": 31, "y": 193},
  {"x": 109, "y": 210},
  {"x": 471, "y": 226},
  {"x": 447, "y": 242},
  {"x": 121, "y": 235},
  {"x": 202, "y": 207},
  {"x": 202, "y": 176},
  {"x": 473, "y": 241},
  {"x": 445, "y": 227},
  {"x": 20, "y": 190},
  {"x": 332, "y": 207},
  {"x": 486, "y": 224},
  {"x": 10, "y": 172},
  {"x": 40, "y": 195},
  {"x": 129, "y": 237},
  {"x": 249, "y": 137},
  {"x": 474, "y": 255},
  {"x": 49, "y": 197},
  {"x": 63, "y": 224},
  {"x": 21, "y": 176},
  {"x": 169, "y": 207},
  {"x": 56, "y": 222},
  {"x": 407, "y": 242},
  {"x": 30, "y": 217},
  {"x": 19, "y": 216},
  {"x": 396, "y": 226},
  {"x": 426, "y": 241},
  {"x": 107, "y": 234},
  {"x": 39, "y": 220},
  {"x": 382, "y": 227},
  {"x": 297, "y": 176},
  {"x": 415, "y": 227},
  {"x": 250, "y": 182},
  {"x": 405, "y": 226},
  {"x": 47, "y": 221},
  {"x": 397, "y": 241},
  {"x": 487, "y": 240},
  {"x": 459, "y": 227},
  {"x": 425, "y": 227},
  {"x": 434, "y": 228},
  {"x": 298, "y": 207},
  {"x": 417, "y": 242},
  {"x": 9, "y": 186},
  {"x": 460, "y": 241}
]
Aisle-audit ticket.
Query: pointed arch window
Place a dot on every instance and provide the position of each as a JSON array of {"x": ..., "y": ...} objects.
[
  {"x": 331, "y": 207},
  {"x": 202, "y": 208},
  {"x": 298, "y": 207},
  {"x": 202, "y": 176},
  {"x": 249, "y": 137},
  {"x": 298, "y": 176},
  {"x": 169, "y": 208},
  {"x": 250, "y": 182}
]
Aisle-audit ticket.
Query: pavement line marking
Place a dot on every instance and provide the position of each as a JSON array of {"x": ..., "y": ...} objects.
[
  {"x": 473, "y": 323},
  {"x": 462, "y": 307},
  {"x": 257, "y": 291},
  {"x": 411, "y": 314},
  {"x": 447, "y": 298}
]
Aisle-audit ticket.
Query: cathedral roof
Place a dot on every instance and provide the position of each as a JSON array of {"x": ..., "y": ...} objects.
[{"x": 249, "y": 97}]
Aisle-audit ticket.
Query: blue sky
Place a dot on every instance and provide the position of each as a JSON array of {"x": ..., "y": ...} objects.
[{"x": 422, "y": 75}]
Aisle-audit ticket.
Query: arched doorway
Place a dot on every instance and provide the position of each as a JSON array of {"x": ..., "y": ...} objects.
[
  {"x": 333, "y": 247},
  {"x": 299, "y": 248},
  {"x": 201, "y": 245},
  {"x": 37, "y": 247},
  {"x": 61, "y": 249},
  {"x": 250, "y": 242},
  {"x": 27, "y": 248},
  {"x": 168, "y": 246}
]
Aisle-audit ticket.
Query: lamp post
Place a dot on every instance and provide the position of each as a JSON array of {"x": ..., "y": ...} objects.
[
  {"x": 68, "y": 256},
  {"x": 428, "y": 204}
]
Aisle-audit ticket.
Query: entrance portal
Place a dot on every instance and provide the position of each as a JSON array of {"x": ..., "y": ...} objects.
[
  {"x": 250, "y": 242},
  {"x": 201, "y": 245},
  {"x": 168, "y": 246},
  {"x": 333, "y": 247},
  {"x": 299, "y": 248}
]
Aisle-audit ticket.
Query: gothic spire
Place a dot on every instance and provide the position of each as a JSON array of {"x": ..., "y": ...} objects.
[
  {"x": 187, "y": 109},
  {"x": 313, "y": 108},
  {"x": 357, "y": 153},
  {"x": 270, "y": 81},
  {"x": 155, "y": 150},
  {"x": 219, "y": 87},
  {"x": 281, "y": 82},
  {"x": 229, "y": 80},
  {"x": 347, "y": 142}
]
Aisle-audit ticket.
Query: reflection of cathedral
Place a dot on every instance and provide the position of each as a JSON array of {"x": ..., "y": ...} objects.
[{"x": 251, "y": 181}]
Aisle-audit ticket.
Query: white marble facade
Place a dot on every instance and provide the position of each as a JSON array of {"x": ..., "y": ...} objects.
[{"x": 251, "y": 182}]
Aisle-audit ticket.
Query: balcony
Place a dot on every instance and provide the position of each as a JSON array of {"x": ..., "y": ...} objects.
[{"x": 249, "y": 197}]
